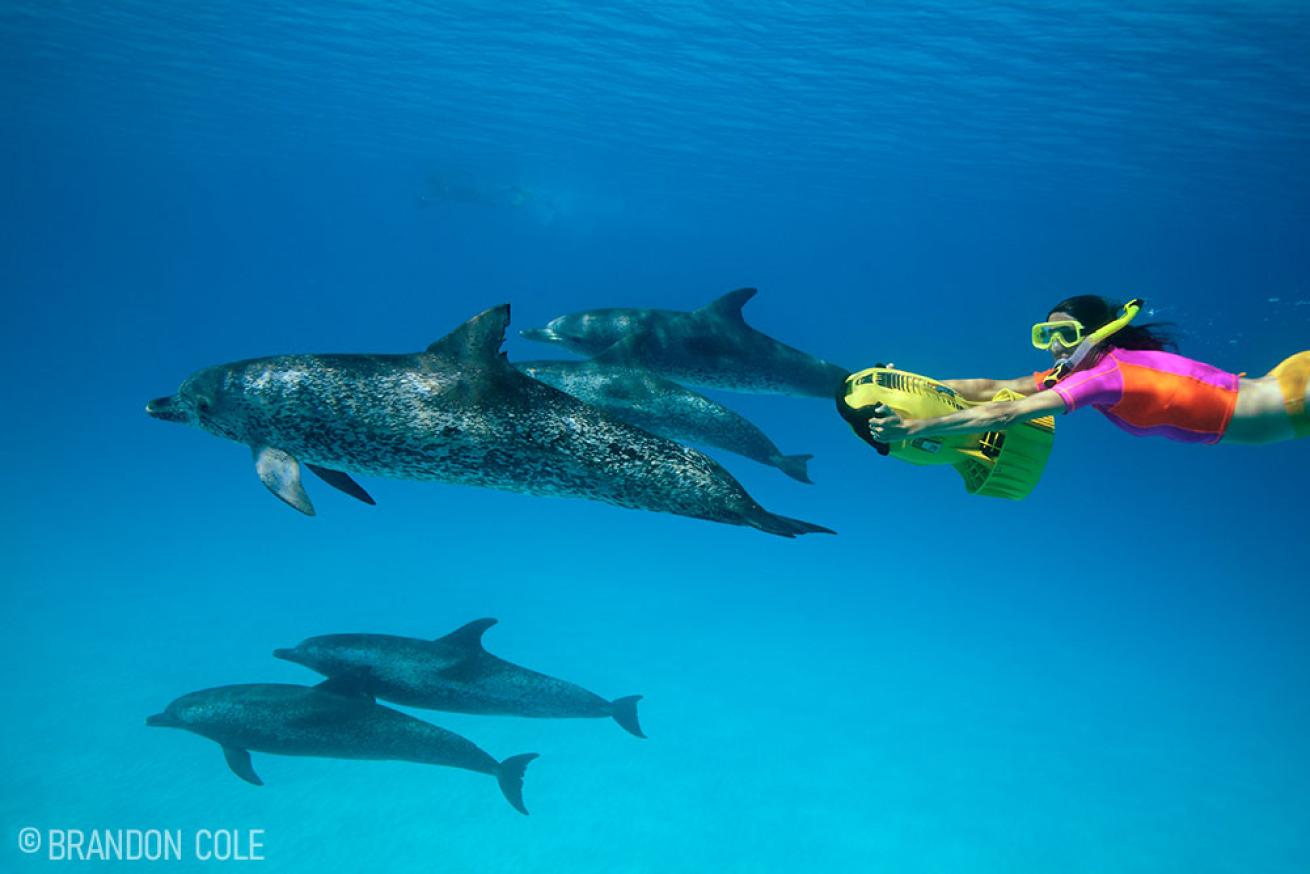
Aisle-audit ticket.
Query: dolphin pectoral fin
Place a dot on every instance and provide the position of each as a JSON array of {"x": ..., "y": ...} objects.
[
  {"x": 340, "y": 480},
  {"x": 510, "y": 777},
  {"x": 349, "y": 685},
  {"x": 280, "y": 472},
  {"x": 469, "y": 636},
  {"x": 239, "y": 761},
  {"x": 624, "y": 712},
  {"x": 729, "y": 306}
]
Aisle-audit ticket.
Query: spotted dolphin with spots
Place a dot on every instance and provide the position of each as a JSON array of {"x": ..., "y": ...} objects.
[
  {"x": 664, "y": 407},
  {"x": 591, "y": 332},
  {"x": 293, "y": 720},
  {"x": 711, "y": 347},
  {"x": 457, "y": 412},
  {"x": 451, "y": 673}
]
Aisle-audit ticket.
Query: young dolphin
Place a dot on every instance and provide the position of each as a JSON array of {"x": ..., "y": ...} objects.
[
  {"x": 457, "y": 412},
  {"x": 450, "y": 673},
  {"x": 711, "y": 347},
  {"x": 662, "y": 407},
  {"x": 311, "y": 721}
]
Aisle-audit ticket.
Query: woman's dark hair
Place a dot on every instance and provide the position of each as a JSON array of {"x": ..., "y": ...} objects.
[{"x": 1095, "y": 311}]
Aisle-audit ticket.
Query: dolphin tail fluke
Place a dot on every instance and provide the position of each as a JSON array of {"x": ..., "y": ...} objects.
[
  {"x": 783, "y": 526},
  {"x": 795, "y": 466},
  {"x": 624, "y": 712},
  {"x": 510, "y": 777}
]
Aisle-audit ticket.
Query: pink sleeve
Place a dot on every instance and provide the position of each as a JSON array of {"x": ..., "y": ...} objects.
[{"x": 1100, "y": 386}]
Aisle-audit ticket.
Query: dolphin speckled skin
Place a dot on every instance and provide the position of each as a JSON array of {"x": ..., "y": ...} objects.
[
  {"x": 311, "y": 721},
  {"x": 591, "y": 332},
  {"x": 458, "y": 412},
  {"x": 451, "y": 673},
  {"x": 665, "y": 408},
  {"x": 711, "y": 347}
]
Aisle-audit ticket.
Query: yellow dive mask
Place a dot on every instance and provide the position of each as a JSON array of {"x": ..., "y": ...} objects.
[
  {"x": 1066, "y": 366},
  {"x": 1068, "y": 331}
]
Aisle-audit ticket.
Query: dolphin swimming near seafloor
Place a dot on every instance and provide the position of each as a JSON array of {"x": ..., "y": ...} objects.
[
  {"x": 711, "y": 347},
  {"x": 664, "y": 407},
  {"x": 311, "y": 721},
  {"x": 457, "y": 412},
  {"x": 450, "y": 673}
]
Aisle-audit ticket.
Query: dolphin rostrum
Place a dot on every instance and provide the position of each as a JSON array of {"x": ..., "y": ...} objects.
[
  {"x": 663, "y": 407},
  {"x": 451, "y": 673},
  {"x": 312, "y": 721},
  {"x": 457, "y": 412},
  {"x": 711, "y": 347}
]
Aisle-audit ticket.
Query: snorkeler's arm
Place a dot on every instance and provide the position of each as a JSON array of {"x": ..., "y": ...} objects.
[
  {"x": 986, "y": 389},
  {"x": 972, "y": 420}
]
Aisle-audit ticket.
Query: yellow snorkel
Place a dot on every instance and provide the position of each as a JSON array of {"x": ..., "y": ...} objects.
[{"x": 1066, "y": 366}]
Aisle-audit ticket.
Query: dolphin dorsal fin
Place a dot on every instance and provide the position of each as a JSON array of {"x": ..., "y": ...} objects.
[
  {"x": 729, "y": 306},
  {"x": 468, "y": 636},
  {"x": 477, "y": 340}
]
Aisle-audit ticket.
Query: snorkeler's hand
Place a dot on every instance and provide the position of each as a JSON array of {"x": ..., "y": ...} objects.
[{"x": 886, "y": 426}]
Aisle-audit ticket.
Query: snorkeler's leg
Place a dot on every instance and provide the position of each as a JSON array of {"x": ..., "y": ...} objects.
[{"x": 1293, "y": 376}]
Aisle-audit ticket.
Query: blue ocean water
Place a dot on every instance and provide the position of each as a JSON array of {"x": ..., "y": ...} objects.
[{"x": 1111, "y": 675}]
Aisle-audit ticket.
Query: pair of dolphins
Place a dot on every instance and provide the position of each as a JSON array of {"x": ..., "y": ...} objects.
[
  {"x": 460, "y": 412},
  {"x": 340, "y": 718},
  {"x": 642, "y": 358}
]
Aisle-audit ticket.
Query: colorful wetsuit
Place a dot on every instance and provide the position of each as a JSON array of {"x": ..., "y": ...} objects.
[{"x": 1149, "y": 392}]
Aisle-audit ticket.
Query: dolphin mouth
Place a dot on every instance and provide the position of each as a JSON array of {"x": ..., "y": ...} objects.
[
  {"x": 161, "y": 720},
  {"x": 287, "y": 654},
  {"x": 546, "y": 335},
  {"x": 166, "y": 409}
]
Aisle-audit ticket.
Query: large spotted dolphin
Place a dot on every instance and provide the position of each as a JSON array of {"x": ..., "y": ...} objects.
[
  {"x": 457, "y": 412},
  {"x": 711, "y": 347},
  {"x": 451, "y": 673},
  {"x": 663, "y": 407},
  {"x": 313, "y": 721}
]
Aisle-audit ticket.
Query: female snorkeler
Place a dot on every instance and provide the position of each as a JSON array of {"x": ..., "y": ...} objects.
[{"x": 1103, "y": 361}]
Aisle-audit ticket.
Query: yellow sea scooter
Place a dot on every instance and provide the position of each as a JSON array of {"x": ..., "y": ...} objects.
[{"x": 1002, "y": 464}]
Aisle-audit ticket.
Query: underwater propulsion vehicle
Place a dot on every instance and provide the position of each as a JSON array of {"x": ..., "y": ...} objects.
[{"x": 1001, "y": 464}]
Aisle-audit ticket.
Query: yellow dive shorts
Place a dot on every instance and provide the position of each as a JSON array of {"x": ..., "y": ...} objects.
[{"x": 1293, "y": 375}]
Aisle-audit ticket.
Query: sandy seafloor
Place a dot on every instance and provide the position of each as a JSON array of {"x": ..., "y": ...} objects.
[{"x": 1109, "y": 676}]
